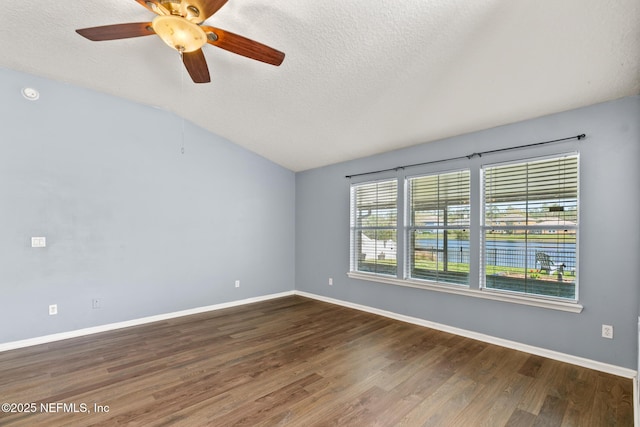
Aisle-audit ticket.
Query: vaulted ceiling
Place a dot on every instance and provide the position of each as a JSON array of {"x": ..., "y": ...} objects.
[{"x": 360, "y": 77}]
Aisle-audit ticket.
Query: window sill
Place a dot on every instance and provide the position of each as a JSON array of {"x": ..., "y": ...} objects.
[{"x": 572, "y": 307}]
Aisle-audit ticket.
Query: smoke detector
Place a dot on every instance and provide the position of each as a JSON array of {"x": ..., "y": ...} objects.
[{"x": 30, "y": 93}]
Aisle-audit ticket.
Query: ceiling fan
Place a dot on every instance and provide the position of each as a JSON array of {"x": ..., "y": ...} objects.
[{"x": 179, "y": 25}]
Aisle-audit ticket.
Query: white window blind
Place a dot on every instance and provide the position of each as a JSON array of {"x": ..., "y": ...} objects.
[
  {"x": 530, "y": 227},
  {"x": 438, "y": 227},
  {"x": 374, "y": 227}
]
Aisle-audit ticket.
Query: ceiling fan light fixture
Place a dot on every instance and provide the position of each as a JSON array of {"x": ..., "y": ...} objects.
[{"x": 178, "y": 33}]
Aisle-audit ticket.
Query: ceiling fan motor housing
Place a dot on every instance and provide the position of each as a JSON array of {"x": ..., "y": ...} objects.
[{"x": 176, "y": 8}]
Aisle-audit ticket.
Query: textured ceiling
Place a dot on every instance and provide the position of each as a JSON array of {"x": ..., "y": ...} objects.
[{"x": 360, "y": 77}]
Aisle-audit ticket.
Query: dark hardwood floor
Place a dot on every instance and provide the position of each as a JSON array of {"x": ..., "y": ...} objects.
[{"x": 299, "y": 362}]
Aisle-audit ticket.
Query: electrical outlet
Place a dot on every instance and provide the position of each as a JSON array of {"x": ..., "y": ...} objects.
[
  {"x": 95, "y": 303},
  {"x": 330, "y": 281},
  {"x": 53, "y": 309},
  {"x": 607, "y": 331},
  {"x": 237, "y": 283}
]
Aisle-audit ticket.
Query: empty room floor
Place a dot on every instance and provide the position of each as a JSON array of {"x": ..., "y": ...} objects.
[{"x": 299, "y": 362}]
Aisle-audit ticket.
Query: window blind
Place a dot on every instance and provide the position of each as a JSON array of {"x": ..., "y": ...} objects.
[
  {"x": 440, "y": 199},
  {"x": 545, "y": 189},
  {"x": 374, "y": 227},
  {"x": 438, "y": 231},
  {"x": 530, "y": 226}
]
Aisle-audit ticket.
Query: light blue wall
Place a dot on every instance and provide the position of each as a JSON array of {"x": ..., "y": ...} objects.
[
  {"x": 609, "y": 245},
  {"x": 128, "y": 218},
  {"x": 147, "y": 230}
]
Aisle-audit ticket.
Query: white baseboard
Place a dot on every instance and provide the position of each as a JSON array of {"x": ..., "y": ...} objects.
[
  {"x": 563, "y": 357},
  {"x": 135, "y": 322},
  {"x": 556, "y": 355}
]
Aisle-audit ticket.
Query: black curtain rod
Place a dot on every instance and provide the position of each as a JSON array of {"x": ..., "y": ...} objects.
[{"x": 470, "y": 156}]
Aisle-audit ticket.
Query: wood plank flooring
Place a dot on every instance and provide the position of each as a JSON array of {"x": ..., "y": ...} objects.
[{"x": 299, "y": 362}]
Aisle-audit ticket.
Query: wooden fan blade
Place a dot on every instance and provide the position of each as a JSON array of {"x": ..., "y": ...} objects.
[
  {"x": 205, "y": 7},
  {"x": 154, "y": 6},
  {"x": 196, "y": 65},
  {"x": 243, "y": 46},
  {"x": 117, "y": 31}
]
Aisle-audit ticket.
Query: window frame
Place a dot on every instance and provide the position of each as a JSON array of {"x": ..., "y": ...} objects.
[
  {"x": 410, "y": 227},
  {"x": 354, "y": 254},
  {"x": 527, "y": 228},
  {"x": 474, "y": 164}
]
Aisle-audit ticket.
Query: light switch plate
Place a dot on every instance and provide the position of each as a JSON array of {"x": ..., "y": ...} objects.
[{"x": 38, "y": 242}]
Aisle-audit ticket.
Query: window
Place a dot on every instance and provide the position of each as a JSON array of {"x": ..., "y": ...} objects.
[
  {"x": 503, "y": 231},
  {"x": 438, "y": 227},
  {"x": 374, "y": 216},
  {"x": 530, "y": 227}
]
